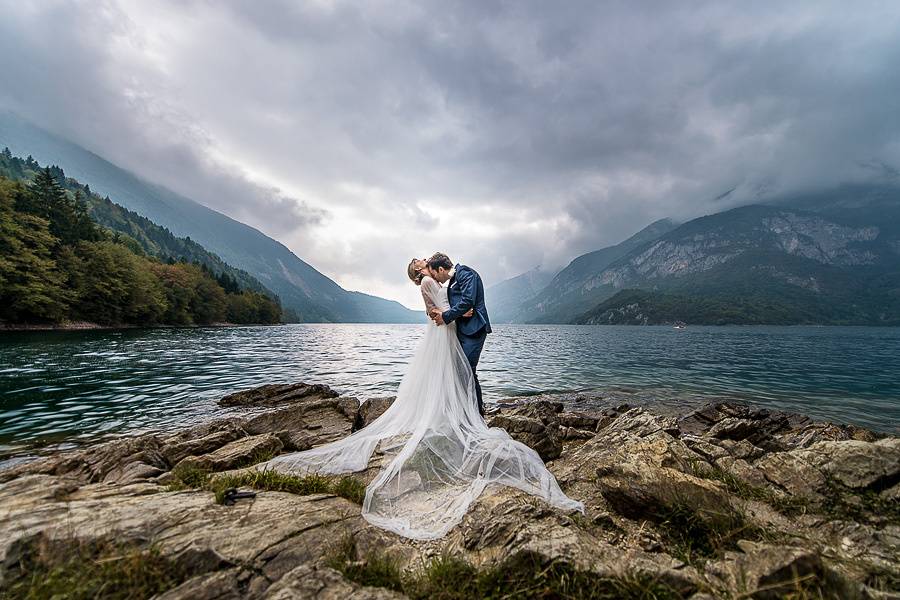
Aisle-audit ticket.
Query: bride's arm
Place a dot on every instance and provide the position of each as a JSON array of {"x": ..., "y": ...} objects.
[{"x": 430, "y": 290}]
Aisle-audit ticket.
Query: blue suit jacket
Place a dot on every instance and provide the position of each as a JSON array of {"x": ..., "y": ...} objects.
[{"x": 466, "y": 291}]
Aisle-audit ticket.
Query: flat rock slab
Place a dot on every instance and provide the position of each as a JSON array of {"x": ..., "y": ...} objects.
[
  {"x": 277, "y": 394},
  {"x": 239, "y": 453}
]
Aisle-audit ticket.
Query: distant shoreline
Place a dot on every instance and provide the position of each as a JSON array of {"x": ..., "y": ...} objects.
[{"x": 88, "y": 326}]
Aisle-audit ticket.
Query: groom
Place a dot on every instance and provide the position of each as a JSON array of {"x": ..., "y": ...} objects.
[{"x": 465, "y": 292}]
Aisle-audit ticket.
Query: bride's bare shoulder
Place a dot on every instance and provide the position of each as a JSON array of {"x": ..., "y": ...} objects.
[{"x": 430, "y": 280}]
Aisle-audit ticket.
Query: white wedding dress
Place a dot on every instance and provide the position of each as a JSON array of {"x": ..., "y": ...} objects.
[{"x": 439, "y": 453}]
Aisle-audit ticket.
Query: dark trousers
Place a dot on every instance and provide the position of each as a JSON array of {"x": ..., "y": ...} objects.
[{"x": 472, "y": 345}]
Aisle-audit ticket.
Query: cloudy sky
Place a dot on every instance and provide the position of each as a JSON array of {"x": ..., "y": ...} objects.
[{"x": 507, "y": 134}]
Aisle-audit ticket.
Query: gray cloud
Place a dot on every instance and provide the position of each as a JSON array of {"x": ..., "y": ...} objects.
[{"x": 507, "y": 134}]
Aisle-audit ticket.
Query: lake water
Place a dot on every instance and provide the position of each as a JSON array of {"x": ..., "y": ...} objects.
[{"x": 58, "y": 388}]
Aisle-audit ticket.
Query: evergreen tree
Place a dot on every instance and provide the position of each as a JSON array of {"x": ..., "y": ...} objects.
[
  {"x": 85, "y": 229},
  {"x": 48, "y": 201},
  {"x": 31, "y": 285}
]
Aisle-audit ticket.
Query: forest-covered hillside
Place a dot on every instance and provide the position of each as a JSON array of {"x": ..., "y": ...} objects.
[{"x": 68, "y": 255}]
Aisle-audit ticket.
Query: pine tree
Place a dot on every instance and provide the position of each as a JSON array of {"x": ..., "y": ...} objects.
[
  {"x": 85, "y": 228},
  {"x": 48, "y": 201}
]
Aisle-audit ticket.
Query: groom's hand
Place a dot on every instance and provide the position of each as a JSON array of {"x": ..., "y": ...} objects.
[{"x": 436, "y": 316}]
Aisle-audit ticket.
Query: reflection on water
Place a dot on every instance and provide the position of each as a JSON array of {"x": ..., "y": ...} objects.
[{"x": 61, "y": 387}]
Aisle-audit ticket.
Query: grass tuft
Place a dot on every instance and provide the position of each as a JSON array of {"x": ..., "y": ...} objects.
[
  {"x": 523, "y": 576},
  {"x": 188, "y": 476},
  {"x": 80, "y": 570},
  {"x": 785, "y": 504},
  {"x": 193, "y": 478},
  {"x": 693, "y": 537}
]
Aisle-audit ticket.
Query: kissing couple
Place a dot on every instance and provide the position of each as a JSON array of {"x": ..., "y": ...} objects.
[{"x": 437, "y": 454}]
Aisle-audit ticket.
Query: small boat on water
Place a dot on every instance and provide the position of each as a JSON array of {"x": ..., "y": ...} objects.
[{"x": 679, "y": 325}]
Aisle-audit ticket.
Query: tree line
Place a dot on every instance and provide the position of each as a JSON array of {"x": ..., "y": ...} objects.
[{"x": 57, "y": 265}]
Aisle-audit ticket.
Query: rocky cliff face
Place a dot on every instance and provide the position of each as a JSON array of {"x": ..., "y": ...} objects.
[
  {"x": 570, "y": 292},
  {"x": 727, "y": 501},
  {"x": 842, "y": 263},
  {"x": 714, "y": 241}
]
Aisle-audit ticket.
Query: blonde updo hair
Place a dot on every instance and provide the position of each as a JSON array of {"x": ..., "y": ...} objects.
[{"x": 414, "y": 275}]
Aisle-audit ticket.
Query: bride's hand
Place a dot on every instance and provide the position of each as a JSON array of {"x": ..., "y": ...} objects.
[{"x": 469, "y": 312}]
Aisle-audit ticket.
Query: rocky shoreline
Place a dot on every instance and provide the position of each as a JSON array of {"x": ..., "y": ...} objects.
[{"x": 727, "y": 501}]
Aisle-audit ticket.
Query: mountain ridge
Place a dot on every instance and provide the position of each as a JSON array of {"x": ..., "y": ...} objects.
[{"x": 313, "y": 296}]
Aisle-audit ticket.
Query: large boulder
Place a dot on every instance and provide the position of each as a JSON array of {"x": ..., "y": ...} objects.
[
  {"x": 278, "y": 394},
  {"x": 535, "y": 424},
  {"x": 505, "y": 526},
  {"x": 308, "y": 422},
  {"x": 856, "y": 465}
]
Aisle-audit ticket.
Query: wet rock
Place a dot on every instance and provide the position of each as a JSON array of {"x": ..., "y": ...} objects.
[
  {"x": 278, "y": 394},
  {"x": 535, "y": 424},
  {"x": 732, "y": 421},
  {"x": 236, "y": 454},
  {"x": 371, "y": 409}
]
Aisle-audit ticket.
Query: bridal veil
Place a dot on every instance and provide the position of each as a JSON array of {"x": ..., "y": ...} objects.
[{"x": 439, "y": 455}]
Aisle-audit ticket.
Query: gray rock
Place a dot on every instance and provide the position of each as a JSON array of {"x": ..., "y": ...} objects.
[
  {"x": 535, "y": 424},
  {"x": 371, "y": 409},
  {"x": 239, "y": 453},
  {"x": 317, "y": 420},
  {"x": 626, "y": 465},
  {"x": 856, "y": 464},
  {"x": 323, "y": 583},
  {"x": 770, "y": 572},
  {"x": 218, "y": 585},
  {"x": 202, "y": 440},
  {"x": 277, "y": 394},
  {"x": 103, "y": 462}
]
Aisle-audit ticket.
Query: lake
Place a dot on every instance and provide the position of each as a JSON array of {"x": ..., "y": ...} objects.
[{"x": 64, "y": 387}]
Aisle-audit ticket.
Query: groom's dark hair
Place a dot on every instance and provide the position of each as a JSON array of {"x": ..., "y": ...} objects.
[{"x": 438, "y": 260}]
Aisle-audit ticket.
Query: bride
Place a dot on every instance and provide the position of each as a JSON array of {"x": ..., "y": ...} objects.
[{"x": 439, "y": 454}]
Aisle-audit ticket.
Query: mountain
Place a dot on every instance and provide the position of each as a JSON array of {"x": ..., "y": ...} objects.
[
  {"x": 827, "y": 258},
  {"x": 505, "y": 298},
  {"x": 303, "y": 290},
  {"x": 571, "y": 292}
]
